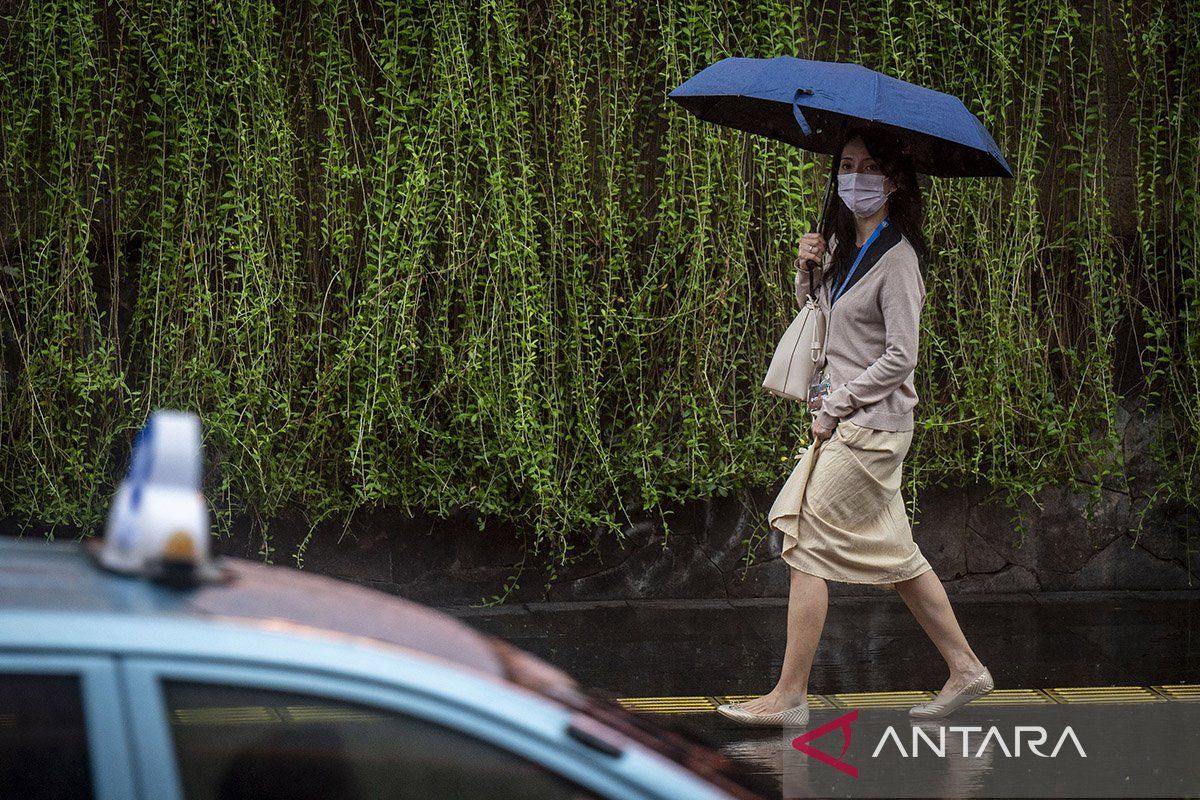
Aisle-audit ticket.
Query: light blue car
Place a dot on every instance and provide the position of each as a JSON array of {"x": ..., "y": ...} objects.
[{"x": 273, "y": 683}]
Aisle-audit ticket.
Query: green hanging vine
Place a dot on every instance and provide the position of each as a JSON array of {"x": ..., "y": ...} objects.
[{"x": 447, "y": 255}]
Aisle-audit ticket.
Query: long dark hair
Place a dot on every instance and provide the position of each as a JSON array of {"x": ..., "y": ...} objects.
[{"x": 906, "y": 208}]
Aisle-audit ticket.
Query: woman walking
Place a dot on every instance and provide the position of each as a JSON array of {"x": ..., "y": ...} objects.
[{"x": 841, "y": 512}]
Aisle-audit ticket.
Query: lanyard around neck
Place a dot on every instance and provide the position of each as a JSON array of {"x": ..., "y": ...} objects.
[{"x": 862, "y": 252}]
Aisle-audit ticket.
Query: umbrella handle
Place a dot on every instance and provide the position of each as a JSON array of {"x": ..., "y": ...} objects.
[{"x": 812, "y": 264}]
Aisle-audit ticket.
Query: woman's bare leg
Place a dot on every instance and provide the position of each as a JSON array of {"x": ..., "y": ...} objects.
[
  {"x": 926, "y": 598},
  {"x": 808, "y": 600}
]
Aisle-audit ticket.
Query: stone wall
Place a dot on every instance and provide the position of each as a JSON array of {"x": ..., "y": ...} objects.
[{"x": 723, "y": 547}]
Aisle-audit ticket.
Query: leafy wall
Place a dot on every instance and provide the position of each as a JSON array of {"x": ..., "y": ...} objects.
[{"x": 462, "y": 254}]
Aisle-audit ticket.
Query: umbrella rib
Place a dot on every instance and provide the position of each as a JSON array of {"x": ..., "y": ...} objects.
[{"x": 876, "y": 110}]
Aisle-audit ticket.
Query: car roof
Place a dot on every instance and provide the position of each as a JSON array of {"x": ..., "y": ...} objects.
[
  {"x": 43, "y": 584},
  {"x": 63, "y": 576}
]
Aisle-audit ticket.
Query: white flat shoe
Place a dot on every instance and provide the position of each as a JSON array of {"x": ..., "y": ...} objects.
[
  {"x": 796, "y": 716},
  {"x": 940, "y": 706}
]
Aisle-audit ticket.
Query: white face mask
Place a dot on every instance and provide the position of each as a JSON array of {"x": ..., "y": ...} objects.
[{"x": 863, "y": 194}]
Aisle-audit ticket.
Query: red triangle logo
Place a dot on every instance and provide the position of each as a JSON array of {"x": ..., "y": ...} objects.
[{"x": 842, "y": 723}]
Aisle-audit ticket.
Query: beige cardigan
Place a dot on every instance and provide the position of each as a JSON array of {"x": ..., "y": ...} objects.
[{"x": 871, "y": 341}]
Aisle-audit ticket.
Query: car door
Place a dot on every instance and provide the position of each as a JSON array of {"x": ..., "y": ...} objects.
[
  {"x": 63, "y": 734},
  {"x": 217, "y": 731}
]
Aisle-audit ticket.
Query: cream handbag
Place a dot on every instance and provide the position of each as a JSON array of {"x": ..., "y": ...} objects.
[{"x": 799, "y": 354}]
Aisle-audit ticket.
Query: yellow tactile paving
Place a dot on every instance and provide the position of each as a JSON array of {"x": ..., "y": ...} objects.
[
  {"x": 880, "y": 699},
  {"x": 1178, "y": 691},
  {"x": 1104, "y": 694},
  {"x": 998, "y": 697},
  {"x": 815, "y": 701},
  {"x": 225, "y": 715},
  {"x": 259, "y": 715},
  {"x": 330, "y": 714},
  {"x": 669, "y": 705},
  {"x": 1014, "y": 697}
]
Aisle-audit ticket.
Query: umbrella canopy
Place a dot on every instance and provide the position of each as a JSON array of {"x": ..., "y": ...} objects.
[{"x": 809, "y": 103}]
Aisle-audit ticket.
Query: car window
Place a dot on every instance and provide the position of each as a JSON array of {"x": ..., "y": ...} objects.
[
  {"x": 43, "y": 738},
  {"x": 236, "y": 742}
]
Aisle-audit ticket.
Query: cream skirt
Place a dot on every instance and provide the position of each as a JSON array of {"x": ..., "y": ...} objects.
[{"x": 841, "y": 512}]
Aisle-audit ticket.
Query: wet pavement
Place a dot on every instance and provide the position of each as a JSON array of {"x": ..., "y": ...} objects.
[
  {"x": 685, "y": 656},
  {"x": 683, "y": 647}
]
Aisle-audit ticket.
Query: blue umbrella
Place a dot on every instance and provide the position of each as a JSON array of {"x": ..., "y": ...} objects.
[{"x": 809, "y": 104}]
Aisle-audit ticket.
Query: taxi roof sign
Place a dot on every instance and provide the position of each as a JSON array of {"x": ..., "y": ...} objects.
[{"x": 158, "y": 523}]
